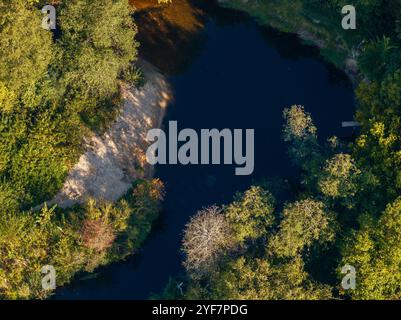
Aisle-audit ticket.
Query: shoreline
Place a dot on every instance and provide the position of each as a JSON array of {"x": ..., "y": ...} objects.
[
  {"x": 349, "y": 65},
  {"x": 113, "y": 161}
]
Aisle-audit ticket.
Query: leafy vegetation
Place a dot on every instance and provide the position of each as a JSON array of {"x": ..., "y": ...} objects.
[
  {"x": 74, "y": 240},
  {"x": 54, "y": 88},
  {"x": 348, "y": 209},
  {"x": 266, "y": 260}
]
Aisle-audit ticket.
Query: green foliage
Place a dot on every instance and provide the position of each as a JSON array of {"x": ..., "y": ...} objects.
[
  {"x": 364, "y": 187},
  {"x": 146, "y": 202},
  {"x": 299, "y": 125},
  {"x": 96, "y": 52},
  {"x": 26, "y": 49},
  {"x": 377, "y": 58},
  {"x": 257, "y": 270},
  {"x": 300, "y": 132},
  {"x": 340, "y": 179},
  {"x": 79, "y": 239},
  {"x": 378, "y": 148},
  {"x": 276, "y": 253},
  {"x": 261, "y": 279},
  {"x": 304, "y": 223},
  {"x": 8, "y": 198},
  {"x": 38, "y": 143},
  {"x": 250, "y": 215},
  {"x": 51, "y": 86},
  {"x": 28, "y": 243},
  {"x": 375, "y": 252}
]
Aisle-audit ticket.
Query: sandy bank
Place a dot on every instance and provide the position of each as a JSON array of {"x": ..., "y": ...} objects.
[{"x": 113, "y": 161}]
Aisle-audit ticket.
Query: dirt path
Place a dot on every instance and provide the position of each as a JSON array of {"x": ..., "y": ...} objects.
[{"x": 112, "y": 162}]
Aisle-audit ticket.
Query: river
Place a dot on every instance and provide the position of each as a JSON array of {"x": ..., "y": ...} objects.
[{"x": 226, "y": 72}]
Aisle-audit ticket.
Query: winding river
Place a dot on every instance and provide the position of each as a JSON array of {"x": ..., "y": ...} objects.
[{"x": 226, "y": 72}]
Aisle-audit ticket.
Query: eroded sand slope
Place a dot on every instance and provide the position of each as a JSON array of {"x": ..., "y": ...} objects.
[{"x": 112, "y": 162}]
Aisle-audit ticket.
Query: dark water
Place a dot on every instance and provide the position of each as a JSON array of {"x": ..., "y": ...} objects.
[{"x": 239, "y": 76}]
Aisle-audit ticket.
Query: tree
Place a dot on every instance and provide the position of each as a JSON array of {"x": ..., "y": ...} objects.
[
  {"x": 46, "y": 81},
  {"x": 248, "y": 278},
  {"x": 97, "y": 231},
  {"x": 304, "y": 223},
  {"x": 300, "y": 132},
  {"x": 299, "y": 124},
  {"x": 207, "y": 236},
  {"x": 375, "y": 252},
  {"x": 9, "y": 201},
  {"x": 7, "y": 98},
  {"x": 376, "y": 59},
  {"x": 74, "y": 240},
  {"x": 249, "y": 272},
  {"x": 26, "y": 50},
  {"x": 340, "y": 179},
  {"x": 377, "y": 148},
  {"x": 96, "y": 53},
  {"x": 251, "y": 214},
  {"x": 29, "y": 242}
]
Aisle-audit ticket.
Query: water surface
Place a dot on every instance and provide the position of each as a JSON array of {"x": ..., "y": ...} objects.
[{"x": 226, "y": 72}]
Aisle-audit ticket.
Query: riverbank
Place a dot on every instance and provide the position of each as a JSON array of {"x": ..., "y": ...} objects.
[
  {"x": 105, "y": 210},
  {"x": 112, "y": 162},
  {"x": 317, "y": 28},
  {"x": 215, "y": 90}
]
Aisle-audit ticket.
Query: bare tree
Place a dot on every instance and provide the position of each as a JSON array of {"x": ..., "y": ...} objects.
[
  {"x": 207, "y": 236},
  {"x": 98, "y": 234}
]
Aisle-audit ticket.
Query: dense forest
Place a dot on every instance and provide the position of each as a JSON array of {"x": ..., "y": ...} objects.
[{"x": 56, "y": 87}]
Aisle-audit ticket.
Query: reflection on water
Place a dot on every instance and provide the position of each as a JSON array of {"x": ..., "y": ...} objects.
[
  {"x": 145, "y": 4},
  {"x": 169, "y": 33},
  {"x": 243, "y": 76}
]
